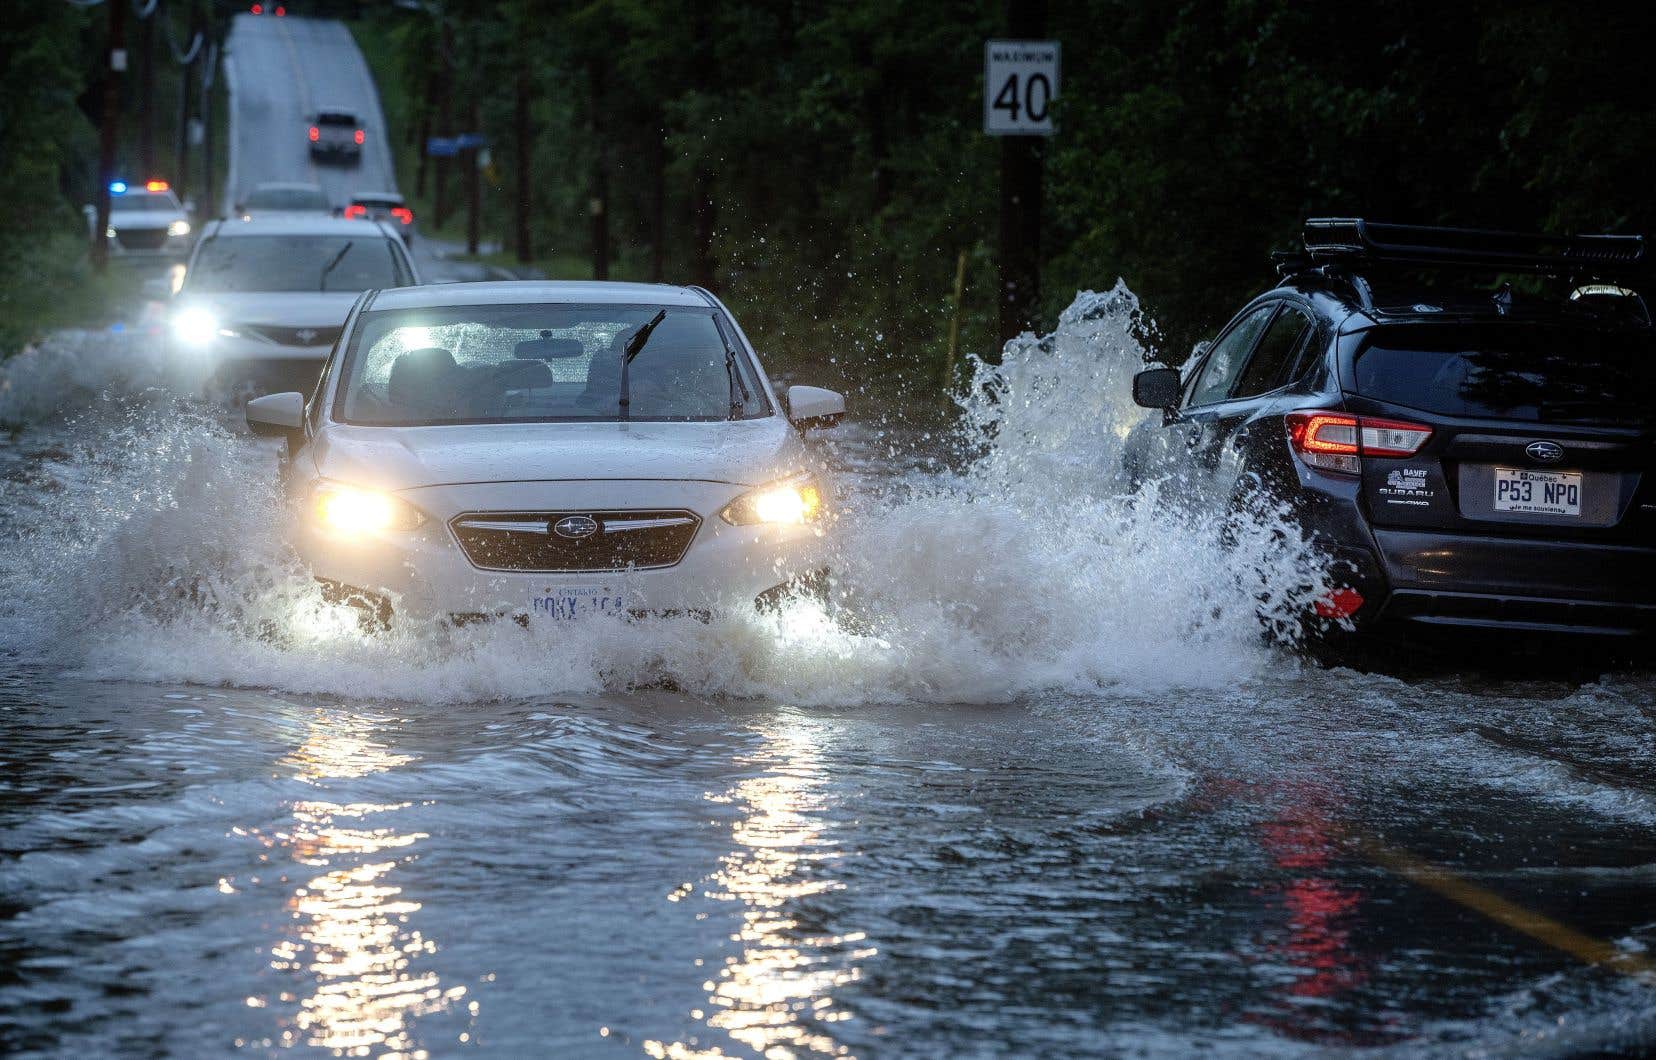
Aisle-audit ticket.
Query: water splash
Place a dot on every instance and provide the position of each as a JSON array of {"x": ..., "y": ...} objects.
[{"x": 154, "y": 550}]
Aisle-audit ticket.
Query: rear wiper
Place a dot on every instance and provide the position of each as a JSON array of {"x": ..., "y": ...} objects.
[
  {"x": 628, "y": 352},
  {"x": 737, "y": 384},
  {"x": 322, "y": 284}
]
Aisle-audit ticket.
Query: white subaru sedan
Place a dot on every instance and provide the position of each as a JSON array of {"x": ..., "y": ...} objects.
[{"x": 553, "y": 451}]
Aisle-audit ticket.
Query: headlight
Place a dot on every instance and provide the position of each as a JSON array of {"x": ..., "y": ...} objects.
[
  {"x": 352, "y": 511},
  {"x": 109, "y": 233},
  {"x": 195, "y": 327},
  {"x": 792, "y": 500},
  {"x": 179, "y": 228}
]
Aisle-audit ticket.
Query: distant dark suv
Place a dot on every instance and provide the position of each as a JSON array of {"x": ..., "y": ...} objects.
[
  {"x": 335, "y": 136},
  {"x": 1469, "y": 452}
]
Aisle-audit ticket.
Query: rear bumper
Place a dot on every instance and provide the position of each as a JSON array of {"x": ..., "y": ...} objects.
[{"x": 1468, "y": 581}]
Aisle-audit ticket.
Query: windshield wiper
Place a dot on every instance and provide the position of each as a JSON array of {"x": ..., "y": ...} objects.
[
  {"x": 628, "y": 352},
  {"x": 322, "y": 284},
  {"x": 737, "y": 385}
]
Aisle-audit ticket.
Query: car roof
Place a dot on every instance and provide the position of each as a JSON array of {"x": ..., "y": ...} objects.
[
  {"x": 295, "y": 224},
  {"x": 516, "y": 292},
  {"x": 379, "y": 196}
]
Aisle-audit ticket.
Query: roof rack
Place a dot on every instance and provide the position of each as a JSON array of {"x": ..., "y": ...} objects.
[{"x": 1354, "y": 242}]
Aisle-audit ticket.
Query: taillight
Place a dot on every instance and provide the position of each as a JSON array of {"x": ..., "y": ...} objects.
[
  {"x": 281, "y": 12},
  {"x": 257, "y": 9},
  {"x": 403, "y": 214},
  {"x": 1393, "y": 438},
  {"x": 315, "y": 134},
  {"x": 359, "y": 136},
  {"x": 354, "y": 211},
  {"x": 1334, "y": 441}
]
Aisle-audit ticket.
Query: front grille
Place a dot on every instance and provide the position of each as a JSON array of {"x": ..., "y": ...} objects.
[
  {"x": 142, "y": 238},
  {"x": 526, "y": 541},
  {"x": 301, "y": 336}
]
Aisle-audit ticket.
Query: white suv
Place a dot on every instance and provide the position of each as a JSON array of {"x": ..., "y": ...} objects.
[
  {"x": 552, "y": 451},
  {"x": 264, "y": 298}
]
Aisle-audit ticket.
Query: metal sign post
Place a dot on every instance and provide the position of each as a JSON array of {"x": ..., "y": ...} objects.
[{"x": 1020, "y": 86}]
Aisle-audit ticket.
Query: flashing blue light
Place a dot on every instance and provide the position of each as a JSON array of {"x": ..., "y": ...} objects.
[{"x": 117, "y": 187}]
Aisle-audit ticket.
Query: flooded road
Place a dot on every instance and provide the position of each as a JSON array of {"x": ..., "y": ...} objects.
[{"x": 1054, "y": 792}]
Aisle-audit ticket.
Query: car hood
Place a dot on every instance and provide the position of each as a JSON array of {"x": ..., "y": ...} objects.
[
  {"x": 141, "y": 220},
  {"x": 742, "y": 452},
  {"x": 282, "y": 308}
]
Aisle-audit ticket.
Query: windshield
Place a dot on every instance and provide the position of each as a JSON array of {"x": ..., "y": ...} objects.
[
  {"x": 1532, "y": 373},
  {"x": 147, "y": 202},
  {"x": 295, "y": 263},
  {"x": 286, "y": 199},
  {"x": 541, "y": 363}
]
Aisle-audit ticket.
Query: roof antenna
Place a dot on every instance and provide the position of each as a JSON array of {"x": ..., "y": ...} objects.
[{"x": 1503, "y": 299}]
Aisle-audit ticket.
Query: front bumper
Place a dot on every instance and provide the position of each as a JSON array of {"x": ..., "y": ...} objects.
[{"x": 426, "y": 573}]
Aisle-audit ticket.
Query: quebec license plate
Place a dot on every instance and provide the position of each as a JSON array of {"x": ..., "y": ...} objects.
[
  {"x": 1528, "y": 492},
  {"x": 571, "y": 602}
]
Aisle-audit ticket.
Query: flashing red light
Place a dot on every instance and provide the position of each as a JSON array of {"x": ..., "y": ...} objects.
[
  {"x": 315, "y": 134},
  {"x": 257, "y": 9},
  {"x": 356, "y": 211},
  {"x": 155, "y": 185},
  {"x": 281, "y": 12},
  {"x": 403, "y": 214},
  {"x": 1338, "y": 603},
  {"x": 359, "y": 136}
]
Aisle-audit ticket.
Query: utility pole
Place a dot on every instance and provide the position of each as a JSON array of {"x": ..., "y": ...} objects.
[
  {"x": 146, "y": 94},
  {"x": 599, "y": 204},
  {"x": 470, "y": 160},
  {"x": 1022, "y": 157},
  {"x": 209, "y": 74},
  {"x": 524, "y": 134},
  {"x": 181, "y": 163},
  {"x": 445, "y": 125},
  {"x": 114, "y": 66}
]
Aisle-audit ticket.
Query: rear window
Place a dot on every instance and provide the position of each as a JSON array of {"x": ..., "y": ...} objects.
[
  {"x": 335, "y": 117},
  {"x": 1532, "y": 373},
  {"x": 295, "y": 263}
]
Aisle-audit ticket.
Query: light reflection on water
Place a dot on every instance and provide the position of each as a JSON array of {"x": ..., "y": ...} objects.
[
  {"x": 349, "y": 927},
  {"x": 775, "y": 995}
]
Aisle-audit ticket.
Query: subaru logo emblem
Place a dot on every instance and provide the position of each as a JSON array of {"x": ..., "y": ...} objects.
[
  {"x": 575, "y": 527},
  {"x": 305, "y": 335},
  {"x": 1545, "y": 452}
]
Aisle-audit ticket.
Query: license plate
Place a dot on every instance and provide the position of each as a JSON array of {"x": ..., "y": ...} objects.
[
  {"x": 1537, "y": 492},
  {"x": 571, "y": 602}
]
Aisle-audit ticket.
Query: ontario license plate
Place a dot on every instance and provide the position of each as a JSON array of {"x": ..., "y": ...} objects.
[
  {"x": 570, "y": 602},
  {"x": 1528, "y": 492}
]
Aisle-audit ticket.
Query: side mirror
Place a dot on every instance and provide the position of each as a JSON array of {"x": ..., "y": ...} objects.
[
  {"x": 812, "y": 406},
  {"x": 278, "y": 415},
  {"x": 1157, "y": 388}
]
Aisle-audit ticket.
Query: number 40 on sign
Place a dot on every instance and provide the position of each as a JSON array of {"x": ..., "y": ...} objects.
[{"x": 1020, "y": 83}]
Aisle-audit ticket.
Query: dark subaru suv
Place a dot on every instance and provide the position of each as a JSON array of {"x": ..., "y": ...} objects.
[{"x": 1469, "y": 452}]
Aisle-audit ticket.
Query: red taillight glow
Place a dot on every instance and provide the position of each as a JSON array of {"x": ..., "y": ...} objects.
[
  {"x": 359, "y": 136},
  {"x": 257, "y": 9},
  {"x": 1332, "y": 441},
  {"x": 1338, "y": 603},
  {"x": 315, "y": 134},
  {"x": 281, "y": 12},
  {"x": 355, "y": 211},
  {"x": 403, "y": 214}
]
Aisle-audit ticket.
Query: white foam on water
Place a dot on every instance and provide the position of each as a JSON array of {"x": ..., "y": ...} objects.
[{"x": 156, "y": 552}]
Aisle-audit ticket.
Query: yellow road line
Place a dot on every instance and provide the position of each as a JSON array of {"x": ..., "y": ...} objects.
[{"x": 1541, "y": 928}]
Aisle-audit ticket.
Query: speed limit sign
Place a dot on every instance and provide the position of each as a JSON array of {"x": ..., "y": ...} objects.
[{"x": 1020, "y": 83}]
